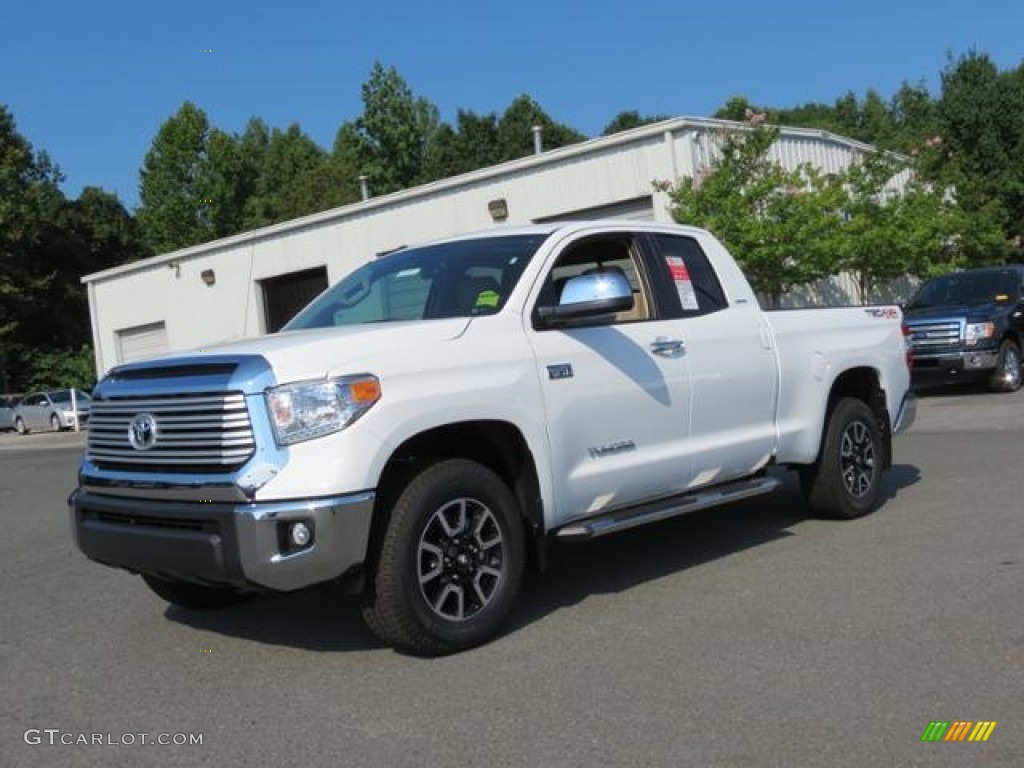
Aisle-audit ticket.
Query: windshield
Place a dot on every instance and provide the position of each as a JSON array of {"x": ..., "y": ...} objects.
[
  {"x": 997, "y": 286},
  {"x": 464, "y": 278},
  {"x": 64, "y": 396}
]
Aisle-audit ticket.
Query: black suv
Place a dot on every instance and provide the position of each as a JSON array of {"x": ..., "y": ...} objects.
[{"x": 969, "y": 325}]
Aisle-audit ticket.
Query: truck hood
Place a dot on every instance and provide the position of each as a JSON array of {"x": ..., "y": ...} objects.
[
  {"x": 971, "y": 313},
  {"x": 296, "y": 355}
]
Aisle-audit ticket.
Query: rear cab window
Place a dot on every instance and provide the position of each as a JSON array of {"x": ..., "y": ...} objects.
[{"x": 689, "y": 284}]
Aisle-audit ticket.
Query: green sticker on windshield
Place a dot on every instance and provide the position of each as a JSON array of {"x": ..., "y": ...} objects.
[{"x": 487, "y": 299}]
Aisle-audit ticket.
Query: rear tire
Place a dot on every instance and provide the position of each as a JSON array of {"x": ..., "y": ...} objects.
[
  {"x": 19, "y": 426},
  {"x": 1007, "y": 375},
  {"x": 195, "y": 597},
  {"x": 846, "y": 481},
  {"x": 450, "y": 563}
]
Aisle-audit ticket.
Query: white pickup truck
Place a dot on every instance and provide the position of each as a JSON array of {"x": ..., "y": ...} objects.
[{"x": 425, "y": 425}]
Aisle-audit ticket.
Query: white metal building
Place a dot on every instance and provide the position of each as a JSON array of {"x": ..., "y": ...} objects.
[{"x": 253, "y": 282}]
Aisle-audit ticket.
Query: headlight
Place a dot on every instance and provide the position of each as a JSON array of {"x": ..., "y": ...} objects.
[
  {"x": 976, "y": 332},
  {"x": 311, "y": 409}
]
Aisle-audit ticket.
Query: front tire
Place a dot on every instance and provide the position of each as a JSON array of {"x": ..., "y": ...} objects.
[
  {"x": 195, "y": 597},
  {"x": 450, "y": 563},
  {"x": 54, "y": 423},
  {"x": 1007, "y": 375},
  {"x": 846, "y": 481}
]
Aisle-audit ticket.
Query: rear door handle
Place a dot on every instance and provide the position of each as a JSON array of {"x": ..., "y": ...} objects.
[{"x": 668, "y": 347}]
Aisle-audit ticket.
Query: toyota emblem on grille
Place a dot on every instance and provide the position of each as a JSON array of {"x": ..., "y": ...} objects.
[{"x": 142, "y": 432}]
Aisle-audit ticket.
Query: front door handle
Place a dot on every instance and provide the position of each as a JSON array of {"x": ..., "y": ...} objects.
[{"x": 668, "y": 347}]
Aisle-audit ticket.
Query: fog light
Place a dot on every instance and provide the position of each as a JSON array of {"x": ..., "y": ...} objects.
[{"x": 300, "y": 534}]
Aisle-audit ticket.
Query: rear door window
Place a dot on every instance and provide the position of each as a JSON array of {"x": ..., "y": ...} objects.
[{"x": 694, "y": 286}]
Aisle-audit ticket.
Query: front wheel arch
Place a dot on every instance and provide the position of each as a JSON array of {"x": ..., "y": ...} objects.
[
  {"x": 405, "y": 604},
  {"x": 1007, "y": 375}
]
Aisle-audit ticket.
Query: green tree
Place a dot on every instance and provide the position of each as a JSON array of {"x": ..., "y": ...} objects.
[
  {"x": 888, "y": 233},
  {"x": 981, "y": 127},
  {"x": 30, "y": 208},
  {"x": 515, "y": 130},
  {"x": 736, "y": 109},
  {"x": 781, "y": 225},
  {"x": 444, "y": 157},
  {"x": 472, "y": 144},
  {"x": 176, "y": 210},
  {"x": 629, "y": 119},
  {"x": 282, "y": 190},
  {"x": 47, "y": 243},
  {"x": 913, "y": 114},
  {"x": 393, "y": 132}
]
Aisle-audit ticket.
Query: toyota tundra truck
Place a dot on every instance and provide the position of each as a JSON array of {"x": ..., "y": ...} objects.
[{"x": 427, "y": 425}]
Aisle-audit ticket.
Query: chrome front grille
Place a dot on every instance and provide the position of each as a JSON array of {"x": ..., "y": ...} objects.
[
  {"x": 935, "y": 336},
  {"x": 206, "y": 432}
]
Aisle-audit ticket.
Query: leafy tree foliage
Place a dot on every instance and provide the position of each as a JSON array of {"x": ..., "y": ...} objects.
[
  {"x": 394, "y": 131},
  {"x": 24, "y": 182},
  {"x": 281, "y": 188},
  {"x": 628, "y": 119},
  {"x": 981, "y": 122},
  {"x": 782, "y": 225},
  {"x": 515, "y": 129},
  {"x": 472, "y": 144},
  {"x": 47, "y": 243},
  {"x": 175, "y": 183},
  {"x": 968, "y": 139},
  {"x": 790, "y": 227},
  {"x": 886, "y": 235}
]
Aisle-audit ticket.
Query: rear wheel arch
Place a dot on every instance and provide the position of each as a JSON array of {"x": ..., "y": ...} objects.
[{"x": 863, "y": 384}]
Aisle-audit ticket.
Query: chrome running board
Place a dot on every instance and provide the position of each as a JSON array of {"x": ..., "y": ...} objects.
[{"x": 662, "y": 509}]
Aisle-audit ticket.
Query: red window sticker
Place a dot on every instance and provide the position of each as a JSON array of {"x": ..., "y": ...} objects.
[
  {"x": 684, "y": 286},
  {"x": 678, "y": 268}
]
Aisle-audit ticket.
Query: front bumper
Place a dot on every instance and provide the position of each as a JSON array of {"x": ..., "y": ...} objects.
[
  {"x": 244, "y": 545},
  {"x": 955, "y": 365}
]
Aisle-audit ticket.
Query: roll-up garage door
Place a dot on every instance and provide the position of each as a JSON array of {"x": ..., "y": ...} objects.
[{"x": 141, "y": 342}]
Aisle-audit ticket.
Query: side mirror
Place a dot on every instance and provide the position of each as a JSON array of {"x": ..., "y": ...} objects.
[{"x": 588, "y": 296}]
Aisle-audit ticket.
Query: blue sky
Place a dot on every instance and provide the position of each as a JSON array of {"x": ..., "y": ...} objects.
[{"x": 91, "y": 82}]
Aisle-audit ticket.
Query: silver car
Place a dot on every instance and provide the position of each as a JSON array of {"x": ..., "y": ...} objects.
[
  {"x": 7, "y": 403},
  {"x": 51, "y": 410}
]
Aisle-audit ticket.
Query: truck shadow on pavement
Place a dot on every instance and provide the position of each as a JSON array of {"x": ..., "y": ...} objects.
[
  {"x": 624, "y": 561},
  {"x": 328, "y": 619}
]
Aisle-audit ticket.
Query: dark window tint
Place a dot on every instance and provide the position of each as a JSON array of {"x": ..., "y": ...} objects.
[
  {"x": 983, "y": 287},
  {"x": 695, "y": 286}
]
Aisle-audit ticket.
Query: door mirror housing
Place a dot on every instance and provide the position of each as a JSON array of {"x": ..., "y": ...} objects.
[{"x": 588, "y": 296}]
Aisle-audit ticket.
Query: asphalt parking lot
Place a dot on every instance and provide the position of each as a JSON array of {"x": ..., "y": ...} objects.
[{"x": 745, "y": 636}]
